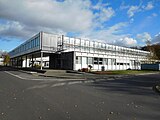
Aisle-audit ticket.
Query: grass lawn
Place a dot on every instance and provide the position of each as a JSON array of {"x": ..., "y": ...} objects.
[{"x": 124, "y": 72}]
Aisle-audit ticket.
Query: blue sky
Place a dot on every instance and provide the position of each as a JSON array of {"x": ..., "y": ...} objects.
[{"x": 120, "y": 22}]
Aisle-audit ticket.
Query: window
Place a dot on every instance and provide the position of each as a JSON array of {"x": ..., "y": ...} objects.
[
  {"x": 100, "y": 61},
  {"x": 82, "y": 42},
  {"x": 38, "y": 41},
  {"x": 77, "y": 42},
  {"x": 99, "y": 45},
  {"x": 121, "y": 63},
  {"x": 105, "y": 61},
  {"x": 113, "y": 61},
  {"x": 27, "y": 46},
  {"x": 72, "y": 41},
  {"x": 66, "y": 40},
  {"x": 91, "y": 44},
  {"x": 91, "y": 50},
  {"x": 95, "y": 60},
  {"x": 84, "y": 60},
  {"x": 90, "y": 60},
  {"x": 78, "y": 60},
  {"x": 103, "y": 46},
  {"x": 109, "y": 61},
  {"x": 34, "y": 45},
  {"x": 87, "y": 43},
  {"x": 31, "y": 43}
]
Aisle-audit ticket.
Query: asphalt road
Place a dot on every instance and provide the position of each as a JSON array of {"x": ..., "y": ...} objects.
[{"x": 130, "y": 98}]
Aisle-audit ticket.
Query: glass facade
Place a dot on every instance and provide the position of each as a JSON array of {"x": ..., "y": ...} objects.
[{"x": 31, "y": 44}]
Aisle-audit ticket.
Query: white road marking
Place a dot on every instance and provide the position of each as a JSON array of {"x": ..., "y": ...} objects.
[
  {"x": 74, "y": 82},
  {"x": 15, "y": 75},
  {"x": 38, "y": 86},
  {"x": 63, "y": 81},
  {"x": 23, "y": 78},
  {"x": 110, "y": 79},
  {"x": 58, "y": 84},
  {"x": 146, "y": 74},
  {"x": 88, "y": 81}
]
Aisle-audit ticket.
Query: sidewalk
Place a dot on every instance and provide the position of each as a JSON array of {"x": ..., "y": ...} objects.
[
  {"x": 75, "y": 75},
  {"x": 79, "y": 75}
]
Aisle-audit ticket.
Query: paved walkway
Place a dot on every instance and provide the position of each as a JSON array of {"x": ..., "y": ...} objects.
[{"x": 65, "y": 74}]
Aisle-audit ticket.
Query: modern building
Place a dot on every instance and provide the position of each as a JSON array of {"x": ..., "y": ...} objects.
[{"x": 61, "y": 52}]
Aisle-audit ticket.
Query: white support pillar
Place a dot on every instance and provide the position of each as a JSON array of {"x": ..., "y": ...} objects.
[{"x": 41, "y": 60}]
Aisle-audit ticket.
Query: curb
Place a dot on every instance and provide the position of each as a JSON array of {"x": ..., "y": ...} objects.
[
  {"x": 60, "y": 77},
  {"x": 31, "y": 73}
]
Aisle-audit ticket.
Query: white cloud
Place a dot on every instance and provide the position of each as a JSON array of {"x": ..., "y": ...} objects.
[
  {"x": 13, "y": 29},
  {"x": 108, "y": 34},
  {"x": 156, "y": 39},
  {"x": 135, "y": 9},
  {"x": 27, "y": 17},
  {"x": 112, "y": 35},
  {"x": 105, "y": 14},
  {"x": 128, "y": 41},
  {"x": 49, "y": 14},
  {"x": 99, "y": 5},
  {"x": 123, "y": 6},
  {"x": 154, "y": 15},
  {"x": 131, "y": 20},
  {"x": 132, "y": 10},
  {"x": 102, "y": 12},
  {"x": 144, "y": 37},
  {"x": 18, "y": 30},
  {"x": 149, "y": 6}
]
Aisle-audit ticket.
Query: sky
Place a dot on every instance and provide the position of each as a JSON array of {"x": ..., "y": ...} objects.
[{"x": 127, "y": 23}]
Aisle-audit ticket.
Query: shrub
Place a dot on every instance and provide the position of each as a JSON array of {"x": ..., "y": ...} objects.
[
  {"x": 84, "y": 69},
  {"x": 37, "y": 66},
  {"x": 90, "y": 67}
]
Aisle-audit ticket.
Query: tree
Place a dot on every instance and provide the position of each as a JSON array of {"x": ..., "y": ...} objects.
[
  {"x": 90, "y": 67},
  {"x": 154, "y": 50},
  {"x": 6, "y": 59}
]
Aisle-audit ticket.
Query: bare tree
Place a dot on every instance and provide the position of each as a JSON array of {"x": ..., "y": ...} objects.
[{"x": 6, "y": 59}]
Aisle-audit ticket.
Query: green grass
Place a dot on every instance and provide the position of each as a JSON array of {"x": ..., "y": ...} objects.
[{"x": 124, "y": 72}]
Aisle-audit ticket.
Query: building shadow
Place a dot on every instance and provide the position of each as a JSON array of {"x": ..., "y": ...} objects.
[
  {"x": 8, "y": 68},
  {"x": 136, "y": 85}
]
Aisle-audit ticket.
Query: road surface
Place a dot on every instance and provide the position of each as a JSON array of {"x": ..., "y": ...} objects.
[{"x": 40, "y": 98}]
